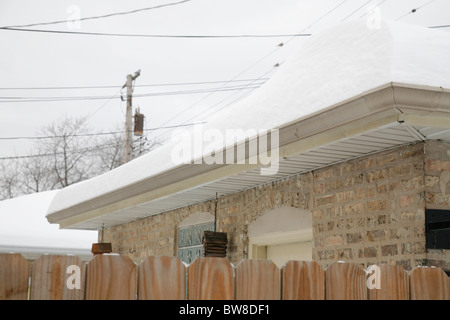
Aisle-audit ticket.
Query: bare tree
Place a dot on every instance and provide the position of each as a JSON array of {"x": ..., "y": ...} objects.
[
  {"x": 143, "y": 145},
  {"x": 110, "y": 151},
  {"x": 9, "y": 179},
  {"x": 70, "y": 151},
  {"x": 35, "y": 174}
]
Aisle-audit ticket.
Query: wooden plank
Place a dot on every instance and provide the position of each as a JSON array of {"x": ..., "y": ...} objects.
[
  {"x": 393, "y": 283},
  {"x": 111, "y": 277},
  {"x": 210, "y": 279},
  {"x": 257, "y": 280},
  {"x": 303, "y": 280},
  {"x": 162, "y": 278},
  {"x": 58, "y": 277},
  {"x": 345, "y": 281},
  {"x": 14, "y": 274},
  {"x": 428, "y": 283}
]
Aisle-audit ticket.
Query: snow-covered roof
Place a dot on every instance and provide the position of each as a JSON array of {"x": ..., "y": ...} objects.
[
  {"x": 331, "y": 67},
  {"x": 24, "y": 229}
]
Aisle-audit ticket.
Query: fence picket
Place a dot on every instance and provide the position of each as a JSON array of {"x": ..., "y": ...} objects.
[
  {"x": 162, "y": 278},
  {"x": 111, "y": 277},
  {"x": 394, "y": 284},
  {"x": 14, "y": 273},
  {"x": 210, "y": 279},
  {"x": 345, "y": 281},
  {"x": 257, "y": 280},
  {"x": 429, "y": 284},
  {"x": 115, "y": 277},
  {"x": 50, "y": 275},
  {"x": 303, "y": 280}
]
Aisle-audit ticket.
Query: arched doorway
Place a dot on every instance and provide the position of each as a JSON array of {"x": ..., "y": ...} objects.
[{"x": 281, "y": 235}]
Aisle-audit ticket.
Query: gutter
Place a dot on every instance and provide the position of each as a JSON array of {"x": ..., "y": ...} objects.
[{"x": 387, "y": 105}]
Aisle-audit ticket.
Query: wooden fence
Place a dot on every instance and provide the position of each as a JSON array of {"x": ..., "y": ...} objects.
[{"x": 117, "y": 277}]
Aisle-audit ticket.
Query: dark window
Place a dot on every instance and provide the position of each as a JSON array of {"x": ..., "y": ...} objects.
[{"x": 437, "y": 226}]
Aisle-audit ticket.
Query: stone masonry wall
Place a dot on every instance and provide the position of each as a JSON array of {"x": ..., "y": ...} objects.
[
  {"x": 367, "y": 210},
  {"x": 157, "y": 235},
  {"x": 371, "y": 210},
  {"x": 437, "y": 187}
]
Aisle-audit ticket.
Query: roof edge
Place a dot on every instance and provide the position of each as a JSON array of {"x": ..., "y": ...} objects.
[{"x": 368, "y": 111}]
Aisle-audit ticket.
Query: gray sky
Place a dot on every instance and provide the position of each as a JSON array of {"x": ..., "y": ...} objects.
[{"x": 29, "y": 59}]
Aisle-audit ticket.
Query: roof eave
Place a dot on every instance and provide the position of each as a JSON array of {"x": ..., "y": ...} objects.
[{"x": 390, "y": 103}]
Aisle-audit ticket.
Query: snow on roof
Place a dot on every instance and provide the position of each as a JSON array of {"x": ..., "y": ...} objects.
[
  {"x": 24, "y": 228},
  {"x": 330, "y": 67}
]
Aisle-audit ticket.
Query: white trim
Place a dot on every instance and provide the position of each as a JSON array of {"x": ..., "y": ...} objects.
[
  {"x": 276, "y": 238},
  {"x": 196, "y": 219}
]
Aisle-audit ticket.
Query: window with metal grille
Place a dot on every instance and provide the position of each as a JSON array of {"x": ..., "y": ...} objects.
[{"x": 190, "y": 245}]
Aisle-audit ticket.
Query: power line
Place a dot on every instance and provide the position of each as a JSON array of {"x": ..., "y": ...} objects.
[
  {"x": 159, "y": 35},
  {"x": 223, "y": 86},
  {"x": 270, "y": 53},
  {"x": 95, "y": 148},
  {"x": 97, "y": 17},
  {"x": 95, "y": 134},
  {"x": 104, "y": 104},
  {"x": 16, "y": 99},
  {"x": 353, "y": 12},
  {"x": 136, "y": 85},
  {"x": 443, "y": 26},
  {"x": 100, "y": 147},
  {"x": 414, "y": 10},
  {"x": 376, "y": 6},
  {"x": 211, "y": 110},
  {"x": 258, "y": 61}
]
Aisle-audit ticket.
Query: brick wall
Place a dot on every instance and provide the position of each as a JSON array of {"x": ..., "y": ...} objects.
[
  {"x": 157, "y": 235},
  {"x": 371, "y": 210},
  {"x": 367, "y": 210},
  {"x": 437, "y": 187}
]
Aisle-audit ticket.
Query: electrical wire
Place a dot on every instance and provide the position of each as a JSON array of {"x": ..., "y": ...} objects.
[
  {"x": 15, "y": 99},
  {"x": 104, "y": 104},
  {"x": 443, "y": 26},
  {"x": 159, "y": 35},
  {"x": 99, "y": 147},
  {"x": 353, "y": 12},
  {"x": 414, "y": 10},
  {"x": 95, "y": 148},
  {"x": 376, "y": 6},
  {"x": 97, "y": 17},
  {"x": 260, "y": 60},
  {"x": 211, "y": 109},
  {"x": 95, "y": 134},
  {"x": 319, "y": 19},
  {"x": 137, "y": 85}
]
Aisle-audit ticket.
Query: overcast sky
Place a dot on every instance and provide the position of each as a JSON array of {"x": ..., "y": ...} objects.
[{"x": 30, "y": 59}]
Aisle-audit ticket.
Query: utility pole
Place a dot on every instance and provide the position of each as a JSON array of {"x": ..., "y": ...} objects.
[{"x": 128, "y": 124}]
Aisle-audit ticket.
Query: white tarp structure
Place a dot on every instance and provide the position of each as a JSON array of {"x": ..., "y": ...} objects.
[{"x": 24, "y": 229}]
